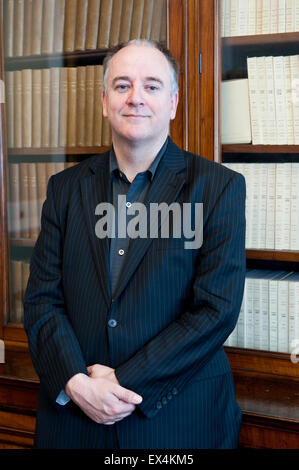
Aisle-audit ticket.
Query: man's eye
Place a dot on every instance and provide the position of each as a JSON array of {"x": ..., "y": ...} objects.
[
  {"x": 152, "y": 88},
  {"x": 122, "y": 87}
]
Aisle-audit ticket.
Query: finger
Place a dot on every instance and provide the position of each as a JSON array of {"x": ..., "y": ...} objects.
[{"x": 127, "y": 395}]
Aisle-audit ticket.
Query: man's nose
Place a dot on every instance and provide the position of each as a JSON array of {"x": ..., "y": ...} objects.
[{"x": 135, "y": 96}]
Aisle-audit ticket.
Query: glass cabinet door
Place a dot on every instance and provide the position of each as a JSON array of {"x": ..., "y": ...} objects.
[{"x": 53, "y": 74}]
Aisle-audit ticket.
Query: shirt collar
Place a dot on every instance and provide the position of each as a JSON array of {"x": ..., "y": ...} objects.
[{"x": 114, "y": 168}]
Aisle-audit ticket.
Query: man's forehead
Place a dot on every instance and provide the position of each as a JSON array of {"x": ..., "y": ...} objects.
[{"x": 145, "y": 59}]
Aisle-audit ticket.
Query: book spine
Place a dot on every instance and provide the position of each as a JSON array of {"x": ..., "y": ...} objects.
[
  {"x": 98, "y": 108},
  {"x": 33, "y": 205},
  {"x": 105, "y": 22},
  {"x": 63, "y": 112},
  {"x": 72, "y": 105},
  {"x": 283, "y": 312},
  {"x": 41, "y": 187},
  {"x": 251, "y": 17},
  {"x": 289, "y": 101},
  {"x": 137, "y": 15},
  {"x": 259, "y": 16},
  {"x": 125, "y": 25},
  {"x": 270, "y": 101},
  {"x": 262, "y": 98},
  {"x": 16, "y": 313},
  {"x": 15, "y": 209},
  {"x": 36, "y": 44},
  {"x": 281, "y": 16},
  {"x": 26, "y": 107},
  {"x": 290, "y": 17},
  {"x": 266, "y": 16},
  {"x": 24, "y": 200},
  {"x": 89, "y": 124},
  {"x": 280, "y": 100},
  {"x": 81, "y": 25},
  {"x": 93, "y": 15},
  {"x": 264, "y": 313},
  {"x": 70, "y": 25},
  {"x": 274, "y": 17},
  {"x": 18, "y": 109},
  {"x": 54, "y": 106},
  {"x": 8, "y": 26},
  {"x": 273, "y": 344},
  {"x": 82, "y": 115},
  {"x": 27, "y": 27},
  {"x": 234, "y": 23},
  {"x": 45, "y": 141},
  {"x": 59, "y": 16},
  {"x": 115, "y": 22},
  {"x": 256, "y": 313},
  {"x": 294, "y": 232},
  {"x": 270, "y": 217},
  {"x": 18, "y": 27},
  {"x": 253, "y": 100},
  {"x": 243, "y": 18},
  {"x": 249, "y": 318},
  {"x": 48, "y": 27},
  {"x": 36, "y": 108},
  {"x": 147, "y": 19},
  {"x": 294, "y": 61}
]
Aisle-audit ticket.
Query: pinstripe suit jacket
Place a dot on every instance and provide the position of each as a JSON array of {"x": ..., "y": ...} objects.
[{"x": 174, "y": 308}]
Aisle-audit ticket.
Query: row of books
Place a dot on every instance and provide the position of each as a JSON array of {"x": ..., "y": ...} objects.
[
  {"x": 27, "y": 193},
  {"x": 34, "y": 27},
  {"x": 272, "y": 204},
  {"x": 56, "y": 107},
  {"x": 249, "y": 17},
  {"x": 269, "y": 315},
  {"x": 274, "y": 99},
  {"x": 19, "y": 275}
]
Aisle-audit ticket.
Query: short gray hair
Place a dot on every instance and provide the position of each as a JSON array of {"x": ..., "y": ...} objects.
[{"x": 174, "y": 68}]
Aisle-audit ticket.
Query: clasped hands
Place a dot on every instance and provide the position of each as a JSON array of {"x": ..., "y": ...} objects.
[{"x": 100, "y": 396}]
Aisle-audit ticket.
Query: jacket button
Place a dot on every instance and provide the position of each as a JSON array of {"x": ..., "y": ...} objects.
[
  {"x": 159, "y": 405},
  {"x": 112, "y": 323},
  {"x": 174, "y": 391},
  {"x": 164, "y": 401},
  {"x": 169, "y": 396}
]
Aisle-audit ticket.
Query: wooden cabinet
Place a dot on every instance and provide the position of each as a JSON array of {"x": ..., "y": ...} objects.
[{"x": 266, "y": 382}]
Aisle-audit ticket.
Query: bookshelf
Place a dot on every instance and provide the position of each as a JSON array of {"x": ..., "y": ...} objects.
[{"x": 263, "y": 377}]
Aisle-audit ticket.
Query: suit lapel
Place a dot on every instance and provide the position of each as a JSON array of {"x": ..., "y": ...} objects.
[
  {"x": 94, "y": 190},
  {"x": 166, "y": 186}
]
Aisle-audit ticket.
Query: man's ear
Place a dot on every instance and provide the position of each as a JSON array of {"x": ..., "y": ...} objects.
[
  {"x": 104, "y": 104},
  {"x": 174, "y": 105}
]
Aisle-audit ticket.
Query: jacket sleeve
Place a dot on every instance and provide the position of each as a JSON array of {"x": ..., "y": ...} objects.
[
  {"x": 54, "y": 349},
  {"x": 169, "y": 360}
]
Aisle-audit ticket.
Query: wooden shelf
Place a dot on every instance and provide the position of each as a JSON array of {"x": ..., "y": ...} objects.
[
  {"x": 23, "y": 242},
  {"x": 262, "y": 39},
  {"x": 57, "y": 151},
  {"x": 61, "y": 59},
  {"x": 249, "y": 148},
  {"x": 272, "y": 255}
]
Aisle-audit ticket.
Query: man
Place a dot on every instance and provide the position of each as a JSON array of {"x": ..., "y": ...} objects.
[{"x": 126, "y": 332}]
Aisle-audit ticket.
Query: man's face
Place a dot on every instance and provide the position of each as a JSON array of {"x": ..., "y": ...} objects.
[{"x": 138, "y": 101}]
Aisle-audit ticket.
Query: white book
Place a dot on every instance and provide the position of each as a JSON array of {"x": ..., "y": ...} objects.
[
  {"x": 257, "y": 318},
  {"x": 241, "y": 323},
  {"x": 264, "y": 310},
  {"x": 296, "y": 15},
  {"x": 280, "y": 100},
  {"x": 266, "y": 16},
  {"x": 253, "y": 101},
  {"x": 222, "y": 15},
  {"x": 294, "y": 61},
  {"x": 249, "y": 175},
  {"x": 248, "y": 314},
  {"x": 290, "y": 17},
  {"x": 234, "y": 18},
  {"x": 235, "y": 114},
  {"x": 273, "y": 309},
  {"x": 263, "y": 178},
  {"x": 243, "y": 18},
  {"x": 227, "y": 30},
  {"x": 259, "y": 16},
  {"x": 262, "y": 98},
  {"x": 289, "y": 100},
  {"x": 281, "y": 16},
  {"x": 271, "y": 109},
  {"x": 283, "y": 206},
  {"x": 270, "y": 217},
  {"x": 294, "y": 229},
  {"x": 283, "y": 316},
  {"x": 274, "y": 16},
  {"x": 251, "y": 17},
  {"x": 293, "y": 281},
  {"x": 256, "y": 200}
]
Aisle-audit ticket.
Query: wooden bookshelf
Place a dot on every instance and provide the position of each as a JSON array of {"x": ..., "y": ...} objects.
[
  {"x": 262, "y": 39},
  {"x": 267, "y": 149},
  {"x": 273, "y": 255},
  {"x": 56, "y": 151}
]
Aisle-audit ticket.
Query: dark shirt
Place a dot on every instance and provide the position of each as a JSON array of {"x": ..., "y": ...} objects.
[{"x": 135, "y": 191}]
